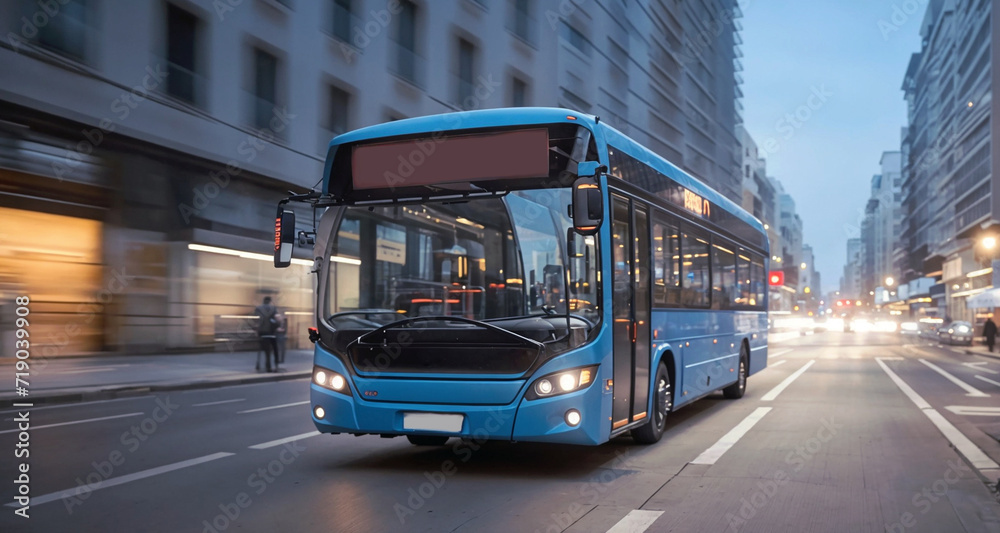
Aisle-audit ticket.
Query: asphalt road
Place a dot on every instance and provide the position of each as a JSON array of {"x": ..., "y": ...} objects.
[{"x": 843, "y": 432}]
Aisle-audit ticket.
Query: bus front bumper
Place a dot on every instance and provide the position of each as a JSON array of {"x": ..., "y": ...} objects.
[{"x": 541, "y": 420}]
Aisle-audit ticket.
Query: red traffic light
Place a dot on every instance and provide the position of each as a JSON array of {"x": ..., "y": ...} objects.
[{"x": 776, "y": 279}]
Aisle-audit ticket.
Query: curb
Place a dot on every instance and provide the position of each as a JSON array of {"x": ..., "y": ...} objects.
[
  {"x": 140, "y": 390},
  {"x": 984, "y": 354}
]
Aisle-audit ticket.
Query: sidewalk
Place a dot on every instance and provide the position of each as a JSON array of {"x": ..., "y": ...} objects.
[
  {"x": 113, "y": 376},
  {"x": 981, "y": 350}
]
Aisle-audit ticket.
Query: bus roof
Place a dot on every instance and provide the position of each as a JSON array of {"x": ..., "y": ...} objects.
[{"x": 515, "y": 116}]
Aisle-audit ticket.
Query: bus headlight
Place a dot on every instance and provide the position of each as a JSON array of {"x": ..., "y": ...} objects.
[
  {"x": 567, "y": 381},
  {"x": 328, "y": 379}
]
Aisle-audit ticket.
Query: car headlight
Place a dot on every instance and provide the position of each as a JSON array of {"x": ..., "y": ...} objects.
[
  {"x": 328, "y": 379},
  {"x": 963, "y": 329},
  {"x": 562, "y": 382}
]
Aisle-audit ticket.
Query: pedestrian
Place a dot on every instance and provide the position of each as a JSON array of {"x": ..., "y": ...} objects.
[
  {"x": 267, "y": 327},
  {"x": 281, "y": 334},
  {"x": 990, "y": 332}
]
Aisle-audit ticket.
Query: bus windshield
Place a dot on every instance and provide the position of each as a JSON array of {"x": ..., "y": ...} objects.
[{"x": 488, "y": 259}]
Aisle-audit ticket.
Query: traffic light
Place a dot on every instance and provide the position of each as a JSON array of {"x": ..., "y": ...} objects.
[{"x": 776, "y": 279}]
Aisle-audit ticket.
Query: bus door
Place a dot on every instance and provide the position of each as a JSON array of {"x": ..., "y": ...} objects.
[{"x": 630, "y": 310}]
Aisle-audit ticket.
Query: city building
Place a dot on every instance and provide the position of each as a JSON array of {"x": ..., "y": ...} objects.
[
  {"x": 144, "y": 145},
  {"x": 949, "y": 175},
  {"x": 850, "y": 283}
]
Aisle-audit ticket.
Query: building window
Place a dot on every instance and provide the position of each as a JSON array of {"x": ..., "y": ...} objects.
[
  {"x": 406, "y": 63},
  {"x": 336, "y": 119},
  {"x": 182, "y": 44},
  {"x": 265, "y": 87},
  {"x": 466, "y": 72},
  {"x": 576, "y": 39},
  {"x": 66, "y": 30},
  {"x": 518, "y": 92},
  {"x": 521, "y": 24},
  {"x": 341, "y": 20}
]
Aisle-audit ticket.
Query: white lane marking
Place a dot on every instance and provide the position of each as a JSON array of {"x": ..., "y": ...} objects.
[
  {"x": 909, "y": 392},
  {"x": 831, "y": 356},
  {"x": 715, "y": 451},
  {"x": 75, "y": 422},
  {"x": 971, "y": 452},
  {"x": 89, "y": 370},
  {"x": 776, "y": 363},
  {"x": 279, "y": 442},
  {"x": 962, "y": 443},
  {"x": 218, "y": 402},
  {"x": 988, "y": 380},
  {"x": 773, "y": 393},
  {"x": 972, "y": 410},
  {"x": 972, "y": 391},
  {"x": 273, "y": 407},
  {"x": 635, "y": 521},
  {"x": 120, "y": 480},
  {"x": 976, "y": 366},
  {"x": 779, "y": 354},
  {"x": 890, "y": 358},
  {"x": 38, "y": 408}
]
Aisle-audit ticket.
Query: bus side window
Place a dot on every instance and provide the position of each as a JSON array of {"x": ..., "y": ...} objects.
[
  {"x": 743, "y": 278},
  {"x": 666, "y": 262},
  {"x": 723, "y": 275},
  {"x": 697, "y": 286}
]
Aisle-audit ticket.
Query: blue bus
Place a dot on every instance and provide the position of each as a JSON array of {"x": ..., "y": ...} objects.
[{"x": 526, "y": 274}]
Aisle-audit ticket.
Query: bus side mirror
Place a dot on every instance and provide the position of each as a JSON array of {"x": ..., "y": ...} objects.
[
  {"x": 588, "y": 205},
  {"x": 284, "y": 238}
]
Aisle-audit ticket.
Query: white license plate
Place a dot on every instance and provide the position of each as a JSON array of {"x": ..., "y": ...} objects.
[{"x": 433, "y": 422}]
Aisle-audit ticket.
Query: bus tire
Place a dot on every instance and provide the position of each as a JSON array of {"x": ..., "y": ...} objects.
[
  {"x": 663, "y": 403},
  {"x": 736, "y": 390},
  {"x": 426, "y": 440}
]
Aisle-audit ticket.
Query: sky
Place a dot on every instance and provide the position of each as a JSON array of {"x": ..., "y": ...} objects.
[{"x": 839, "y": 65}]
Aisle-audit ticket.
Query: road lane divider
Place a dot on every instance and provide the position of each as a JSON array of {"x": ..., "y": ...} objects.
[
  {"x": 286, "y": 440},
  {"x": 33, "y": 428},
  {"x": 282, "y": 406},
  {"x": 220, "y": 402},
  {"x": 773, "y": 393},
  {"x": 121, "y": 480},
  {"x": 972, "y": 391},
  {"x": 776, "y": 363},
  {"x": 988, "y": 380},
  {"x": 973, "y": 410},
  {"x": 978, "y": 367},
  {"x": 779, "y": 354},
  {"x": 636, "y": 521},
  {"x": 966, "y": 447},
  {"x": 715, "y": 451}
]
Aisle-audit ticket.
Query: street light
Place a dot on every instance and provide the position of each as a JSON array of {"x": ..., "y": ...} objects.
[
  {"x": 989, "y": 242},
  {"x": 802, "y": 266},
  {"x": 889, "y": 281}
]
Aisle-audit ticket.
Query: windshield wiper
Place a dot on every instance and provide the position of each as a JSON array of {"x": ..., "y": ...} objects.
[{"x": 379, "y": 336}]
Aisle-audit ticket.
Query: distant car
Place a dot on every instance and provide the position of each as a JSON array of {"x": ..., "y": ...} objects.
[
  {"x": 957, "y": 332},
  {"x": 909, "y": 328}
]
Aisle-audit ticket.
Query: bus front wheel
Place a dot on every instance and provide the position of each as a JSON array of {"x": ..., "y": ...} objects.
[
  {"x": 663, "y": 402},
  {"x": 426, "y": 440}
]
